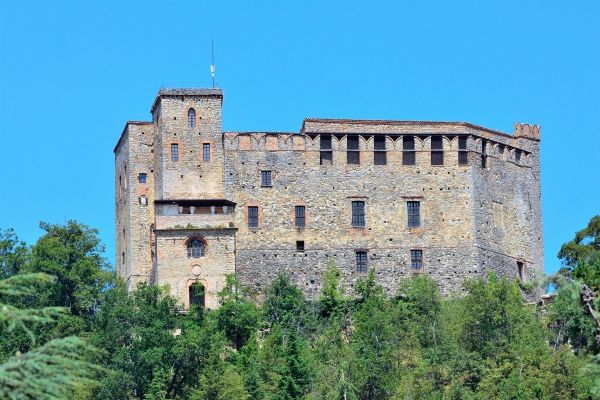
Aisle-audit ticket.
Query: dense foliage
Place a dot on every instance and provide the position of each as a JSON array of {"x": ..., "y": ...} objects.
[{"x": 485, "y": 343}]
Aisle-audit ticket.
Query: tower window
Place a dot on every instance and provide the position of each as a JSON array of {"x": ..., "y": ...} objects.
[
  {"x": 520, "y": 271},
  {"x": 518, "y": 156},
  {"x": 462, "y": 151},
  {"x": 361, "y": 261},
  {"x": 483, "y": 154},
  {"x": 142, "y": 177},
  {"x": 413, "y": 209},
  {"x": 408, "y": 150},
  {"x": 174, "y": 152},
  {"x": 380, "y": 155},
  {"x": 196, "y": 294},
  {"x": 206, "y": 152},
  {"x": 326, "y": 152},
  {"x": 300, "y": 245},
  {"x": 195, "y": 248},
  {"x": 416, "y": 259},
  {"x": 437, "y": 152},
  {"x": 191, "y": 118},
  {"x": 265, "y": 178},
  {"x": 358, "y": 214},
  {"x": 300, "y": 216},
  {"x": 252, "y": 216},
  {"x": 352, "y": 151}
]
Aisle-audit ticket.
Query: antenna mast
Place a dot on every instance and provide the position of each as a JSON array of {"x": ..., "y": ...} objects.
[{"x": 212, "y": 65}]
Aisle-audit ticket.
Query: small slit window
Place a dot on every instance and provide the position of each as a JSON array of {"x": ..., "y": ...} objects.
[
  {"x": 361, "y": 261},
  {"x": 195, "y": 248},
  {"x": 483, "y": 154},
  {"x": 408, "y": 150},
  {"x": 520, "y": 271},
  {"x": 192, "y": 118}
]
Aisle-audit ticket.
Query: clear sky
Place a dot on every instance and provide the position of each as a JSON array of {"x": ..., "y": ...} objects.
[{"x": 72, "y": 73}]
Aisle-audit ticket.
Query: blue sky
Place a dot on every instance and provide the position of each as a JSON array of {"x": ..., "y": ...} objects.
[{"x": 72, "y": 73}]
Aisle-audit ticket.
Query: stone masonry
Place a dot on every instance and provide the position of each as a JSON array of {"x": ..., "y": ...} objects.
[{"x": 477, "y": 189}]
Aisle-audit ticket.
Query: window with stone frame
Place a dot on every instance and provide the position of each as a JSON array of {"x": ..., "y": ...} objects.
[
  {"x": 265, "y": 179},
  {"x": 253, "y": 216},
  {"x": 205, "y": 151},
  {"x": 358, "y": 214},
  {"x": 195, "y": 248},
  {"x": 142, "y": 177},
  {"x": 413, "y": 210},
  {"x": 174, "y": 152},
  {"x": 300, "y": 245},
  {"x": 300, "y": 216},
  {"x": 416, "y": 259},
  {"x": 352, "y": 150},
  {"x": 361, "y": 261},
  {"x": 463, "y": 158},
  {"x": 408, "y": 150},
  {"x": 191, "y": 118},
  {"x": 437, "y": 150}
]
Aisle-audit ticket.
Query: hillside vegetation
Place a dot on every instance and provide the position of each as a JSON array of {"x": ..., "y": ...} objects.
[{"x": 70, "y": 330}]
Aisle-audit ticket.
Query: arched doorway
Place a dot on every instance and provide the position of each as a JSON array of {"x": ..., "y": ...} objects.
[{"x": 196, "y": 295}]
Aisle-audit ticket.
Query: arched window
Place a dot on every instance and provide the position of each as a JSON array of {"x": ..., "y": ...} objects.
[
  {"x": 191, "y": 118},
  {"x": 196, "y": 293},
  {"x": 195, "y": 248}
]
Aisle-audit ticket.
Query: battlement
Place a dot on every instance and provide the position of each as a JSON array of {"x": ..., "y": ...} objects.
[{"x": 527, "y": 131}]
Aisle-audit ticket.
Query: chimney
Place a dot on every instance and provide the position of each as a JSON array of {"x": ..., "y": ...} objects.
[{"x": 527, "y": 131}]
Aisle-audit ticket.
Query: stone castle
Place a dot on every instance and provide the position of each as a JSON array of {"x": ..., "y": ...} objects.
[{"x": 448, "y": 199}]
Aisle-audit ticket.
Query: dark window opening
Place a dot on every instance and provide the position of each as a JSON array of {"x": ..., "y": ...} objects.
[
  {"x": 196, "y": 295},
  {"x": 326, "y": 152},
  {"x": 206, "y": 152},
  {"x": 195, "y": 248},
  {"x": 123, "y": 258},
  {"x": 299, "y": 245},
  {"x": 191, "y": 118},
  {"x": 483, "y": 154},
  {"x": 518, "y": 156},
  {"x": 253, "y": 216},
  {"x": 380, "y": 156},
  {"x": 520, "y": 271},
  {"x": 408, "y": 150},
  {"x": 414, "y": 213},
  {"x": 437, "y": 152},
  {"x": 265, "y": 178},
  {"x": 142, "y": 177},
  {"x": 185, "y": 210},
  {"x": 416, "y": 259},
  {"x": 174, "y": 152},
  {"x": 358, "y": 213},
  {"x": 300, "y": 214},
  {"x": 352, "y": 150},
  {"x": 462, "y": 151},
  {"x": 361, "y": 261}
]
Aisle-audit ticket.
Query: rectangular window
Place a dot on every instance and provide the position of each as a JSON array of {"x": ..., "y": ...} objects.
[
  {"x": 414, "y": 213},
  {"x": 408, "y": 150},
  {"x": 205, "y": 151},
  {"x": 463, "y": 158},
  {"x": 142, "y": 177},
  {"x": 300, "y": 245},
  {"x": 380, "y": 155},
  {"x": 123, "y": 258},
  {"x": 326, "y": 151},
  {"x": 358, "y": 213},
  {"x": 437, "y": 150},
  {"x": 416, "y": 259},
  {"x": 265, "y": 178},
  {"x": 361, "y": 261},
  {"x": 253, "y": 217},
  {"x": 518, "y": 156},
  {"x": 300, "y": 216},
  {"x": 352, "y": 151},
  {"x": 174, "y": 152},
  {"x": 483, "y": 154}
]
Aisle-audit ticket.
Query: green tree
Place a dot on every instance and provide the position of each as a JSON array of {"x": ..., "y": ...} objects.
[
  {"x": 285, "y": 305},
  {"x": 13, "y": 253}
]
